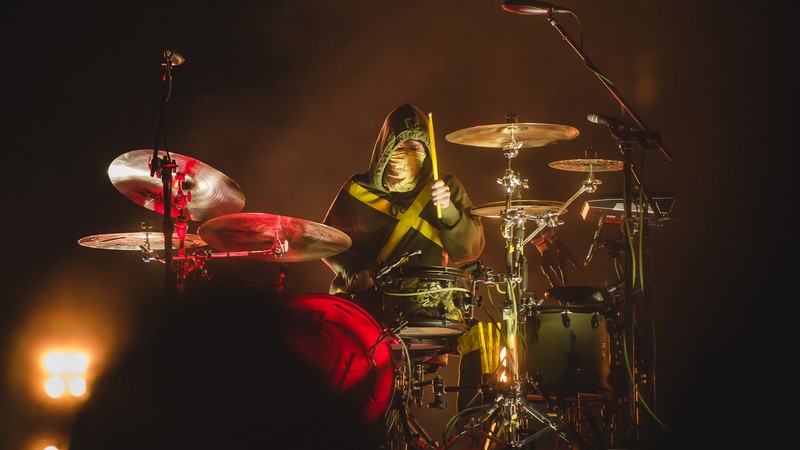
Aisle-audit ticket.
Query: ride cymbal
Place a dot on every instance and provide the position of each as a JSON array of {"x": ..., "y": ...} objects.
[
  {"x": 588, "y": 165},
  {"x": 281, "y": 238},
  {"x": 151, "y": 240},
  {"x": 528, "y": 207},
  {"x": 210, "y": 192},
  {"x": 519, "y": 135}
]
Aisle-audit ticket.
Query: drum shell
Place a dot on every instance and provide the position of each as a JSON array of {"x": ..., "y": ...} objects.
[
  {"x": 431, "y": 299},
  {"x": 568, "y": 349},
  {"x": 348, "y": 349}
]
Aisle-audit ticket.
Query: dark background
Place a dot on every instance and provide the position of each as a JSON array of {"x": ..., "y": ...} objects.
[{"x": 286, "y": 98}]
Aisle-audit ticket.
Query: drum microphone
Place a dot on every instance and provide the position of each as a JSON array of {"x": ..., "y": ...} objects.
[
  {"x": 174, "y": 58},
  {"x": 532, "y": 8},
  {"x": 601, "y": 225},
  {"x": 402, "y": 260}
]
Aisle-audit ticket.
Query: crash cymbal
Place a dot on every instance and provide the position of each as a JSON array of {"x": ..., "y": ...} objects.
[
  {"x": 298, "y": 239},
  {"x": 529, "y": 207},
  {"x": 508, "y": 134},
  {"x": 152, "y": 240},
  {"x": 577, "y": 295},
  {"x": 588, "y": 165},
  {"x": 210, "y": 192}
]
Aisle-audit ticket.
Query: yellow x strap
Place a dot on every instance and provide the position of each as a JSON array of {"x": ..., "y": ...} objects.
[{"x": 405, "y": 220}]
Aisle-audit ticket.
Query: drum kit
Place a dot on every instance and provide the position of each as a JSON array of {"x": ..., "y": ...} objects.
[{"x": 425, "y": 310}]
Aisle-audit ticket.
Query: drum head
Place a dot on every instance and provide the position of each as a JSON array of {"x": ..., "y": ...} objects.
[
  {"x": 433, "y": 273},
  {"x": 346, "y": 345}
]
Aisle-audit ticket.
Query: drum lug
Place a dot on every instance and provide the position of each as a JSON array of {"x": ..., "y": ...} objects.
[
  {"x": 472, "y": 302},
  {"x": 595, "y": 320},
  {"x": 565, "y": 318},
  {"x": 438, "y": 392},
  {"x": 416, "y": 385}
]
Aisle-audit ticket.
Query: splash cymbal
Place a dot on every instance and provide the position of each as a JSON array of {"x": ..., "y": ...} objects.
[
  {"x": 588, "y": 165},
  {"x": 151, "y": 240},
  {"x": 282, "y": 238},
  {"x": 520, "y": 135},
  {"x": 211, "y": 193},
  {"x": 528, "y": 207}
]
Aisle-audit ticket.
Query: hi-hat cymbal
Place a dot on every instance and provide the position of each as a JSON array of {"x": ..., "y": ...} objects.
[
  {"x": 588, "y": 165},
  {"x": 528, "y": 207},
  {"x": 505, "y": 135},
  {"x": 296, "y": 239},
  {"x": 151, "y": 240},
  {"x": 211, "y": 193}
]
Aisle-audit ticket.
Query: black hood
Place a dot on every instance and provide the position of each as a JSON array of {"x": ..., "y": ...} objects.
[{"x": 404, "y": 123}]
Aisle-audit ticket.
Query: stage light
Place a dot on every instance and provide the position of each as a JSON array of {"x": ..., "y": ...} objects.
[{"x": 66, "y": 373}]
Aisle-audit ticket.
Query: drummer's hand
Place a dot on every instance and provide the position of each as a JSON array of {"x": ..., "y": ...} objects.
[
  {"x": 440, "y": 194},
  {"x": 361, "y": 281}
]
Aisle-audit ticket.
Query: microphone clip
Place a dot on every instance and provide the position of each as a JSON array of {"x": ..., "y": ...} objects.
[
  {"x": 385, "y": 270},
  {"x": 647, "y": 140}
]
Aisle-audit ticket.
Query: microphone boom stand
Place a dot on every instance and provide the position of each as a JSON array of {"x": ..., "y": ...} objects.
[
  {"x": 652, "y": 137},
  {"x": 647, "y": 140}
]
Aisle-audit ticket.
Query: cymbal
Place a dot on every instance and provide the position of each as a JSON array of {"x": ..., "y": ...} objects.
[
  {"x": 588, "y": 165},
  {"x": 152, "y": 240},
  {"x": 529, "y": 207},
  {"x": 506, "y": 134},
  {"x": 300, "y": 240},
  {"x": 577, "y": 295},
  {"x": 211, "y": 193}
]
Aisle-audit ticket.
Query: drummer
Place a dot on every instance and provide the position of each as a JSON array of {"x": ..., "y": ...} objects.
[{"x": 390, "y": 211}]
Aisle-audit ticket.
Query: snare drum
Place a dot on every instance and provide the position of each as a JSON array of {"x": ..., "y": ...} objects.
[
  {"x": 432, "y": 301},
  {"x": 348, "y": 347},
  {"x": 568, "y": 349}
]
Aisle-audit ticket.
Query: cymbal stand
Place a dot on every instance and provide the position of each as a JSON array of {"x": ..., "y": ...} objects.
[
  {"x": 550, "y": 219},
  {"x": 511, "y": 409},
  {"x": 165, "y": 168},
  {"x": 176, "y": 277},
  {"x": 513, "y": 228}
]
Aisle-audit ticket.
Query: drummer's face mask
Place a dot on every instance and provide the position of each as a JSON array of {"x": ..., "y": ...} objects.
[{"x": 403, "y": 170}]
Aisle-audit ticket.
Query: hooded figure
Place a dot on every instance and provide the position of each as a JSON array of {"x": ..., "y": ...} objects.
[{"x": 390, "y": 210}]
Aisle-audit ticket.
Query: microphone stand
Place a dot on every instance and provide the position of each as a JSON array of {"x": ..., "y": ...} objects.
[
  {"x": 648, "y": 140},
  {"x": 164, "y": 168},
  {"x": 652, "y": 137}
]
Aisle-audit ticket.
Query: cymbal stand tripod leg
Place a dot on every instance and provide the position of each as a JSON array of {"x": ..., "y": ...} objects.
[{"x": 504, "y": 420}]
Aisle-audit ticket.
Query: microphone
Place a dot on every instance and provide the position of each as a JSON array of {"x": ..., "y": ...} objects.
[
  {"x": 600, "y": 226},
  {"x": 596, "y": 117},
  {"x": 649, "y": 140},
  {"x": 174, "y": 58},
  {"x": 532, "y": 8}
]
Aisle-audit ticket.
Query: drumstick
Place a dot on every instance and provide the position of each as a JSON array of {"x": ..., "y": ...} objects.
[{"x": 433, "y": 159}]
